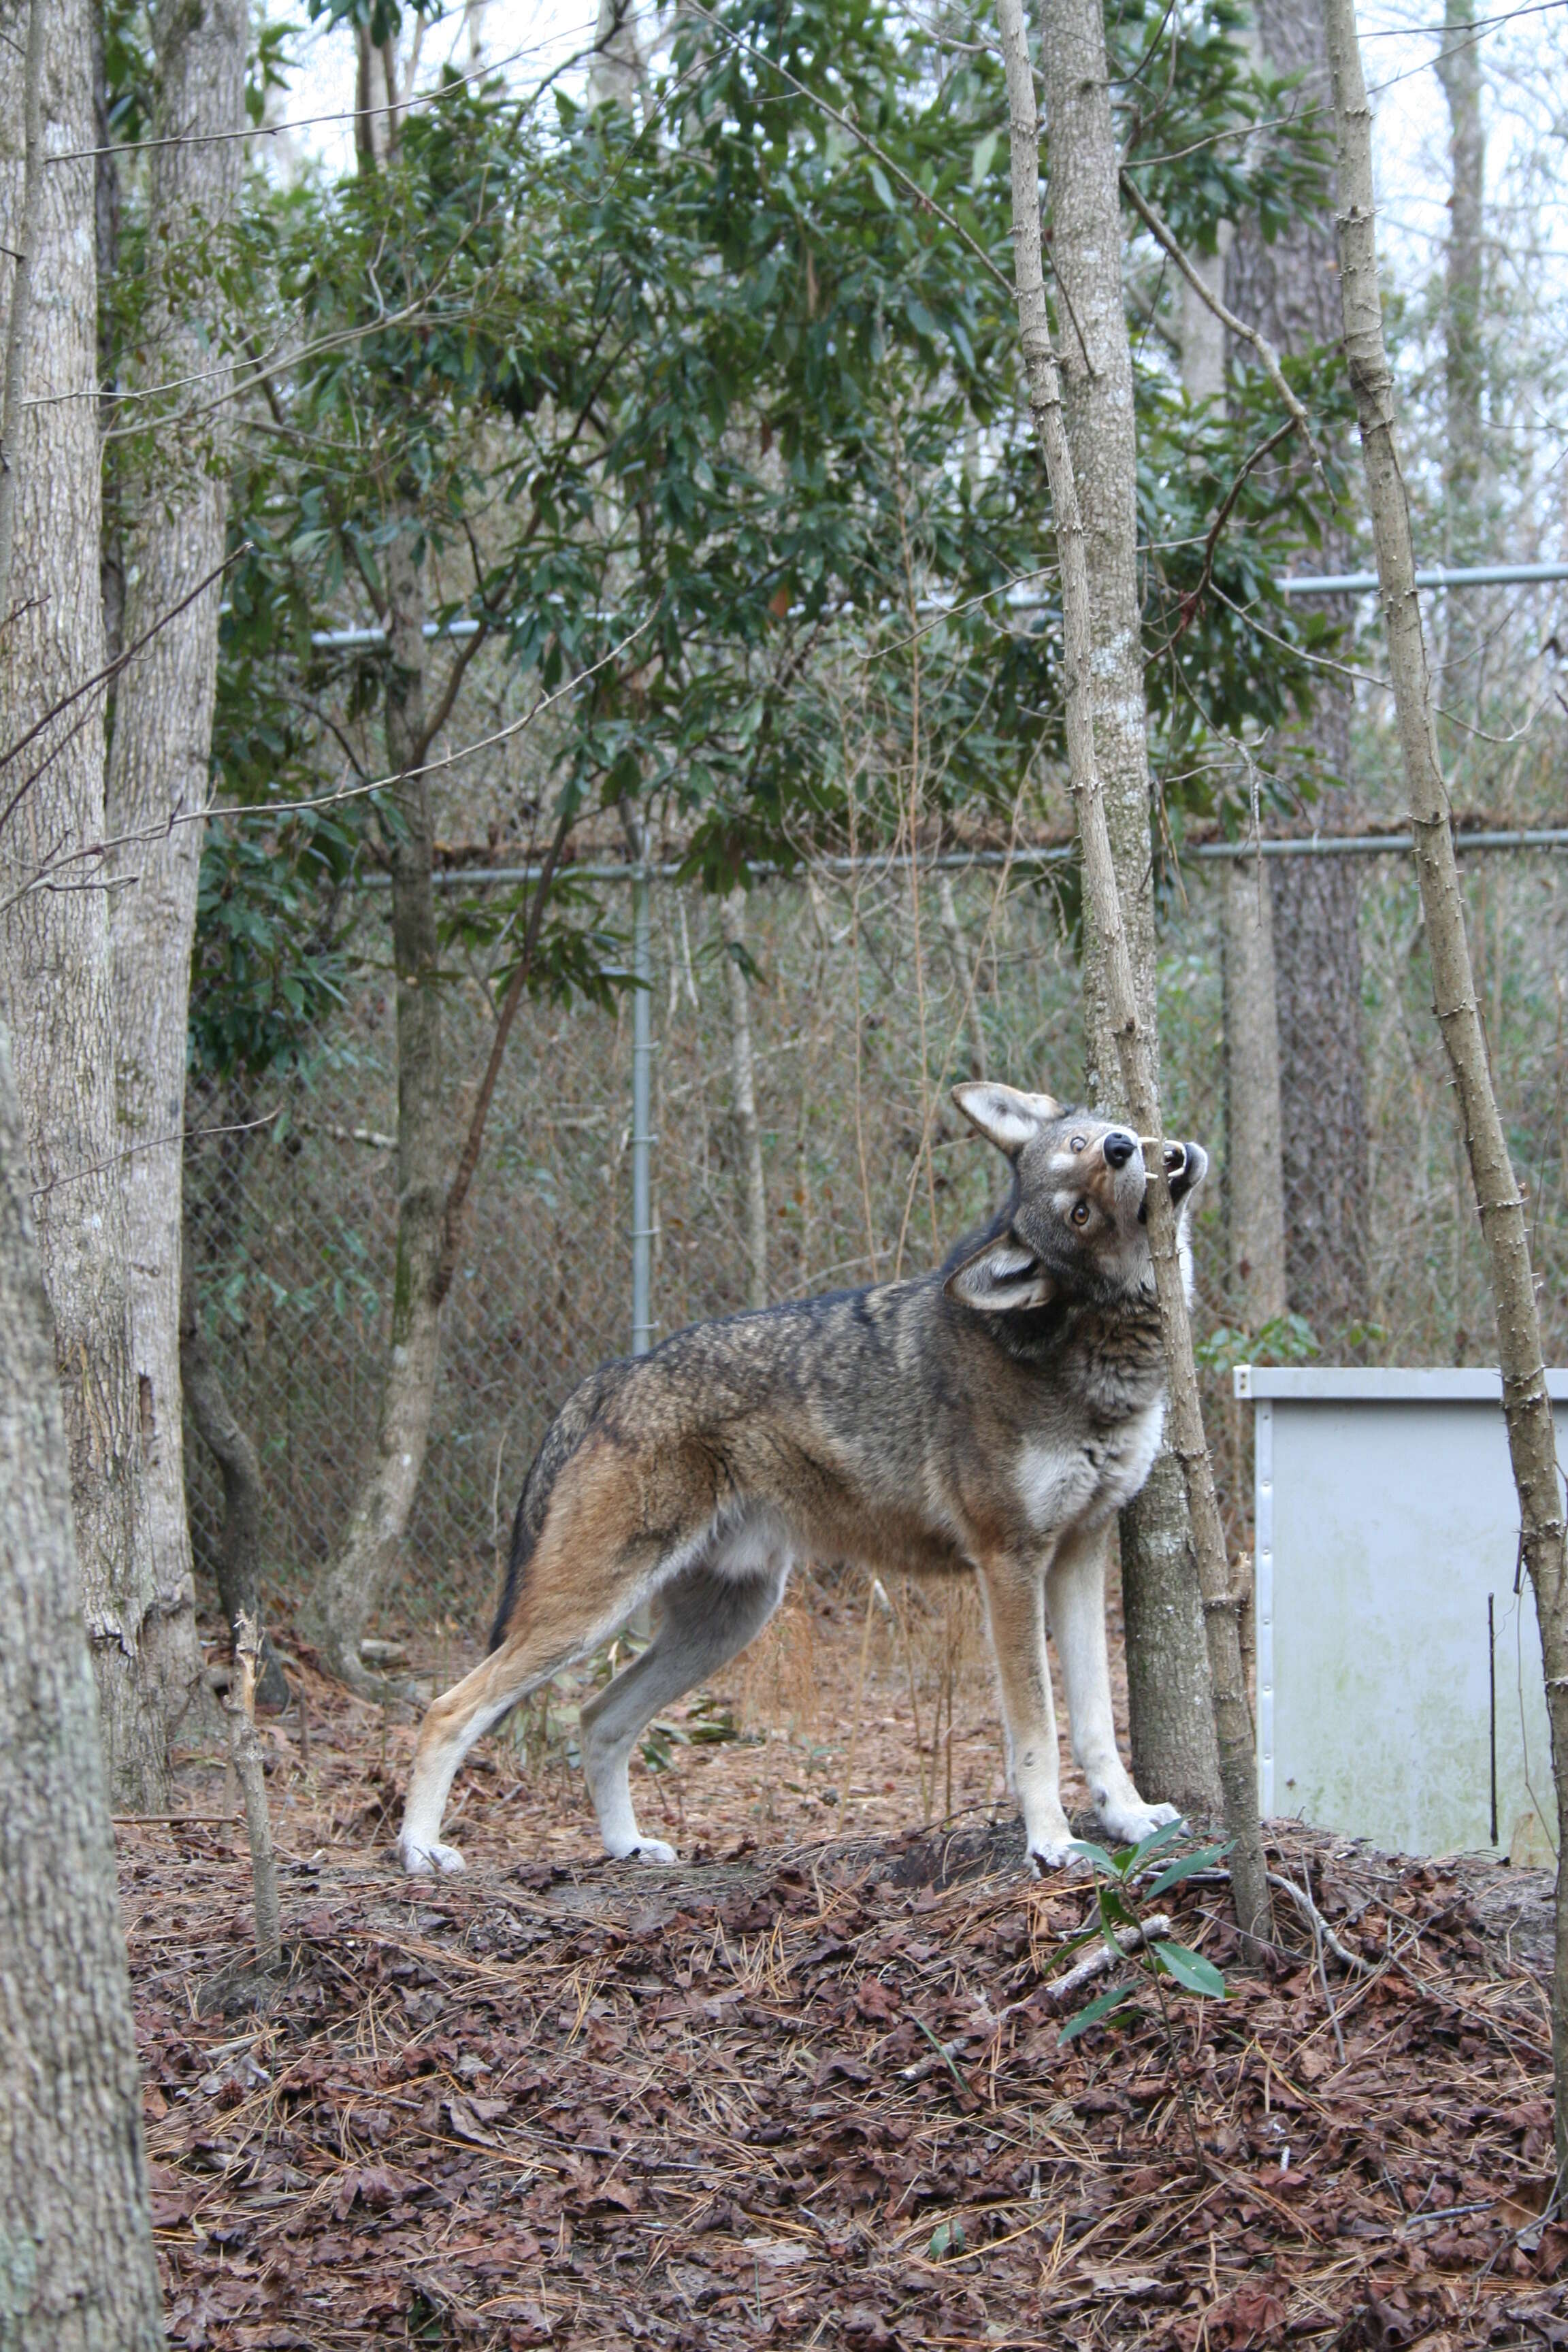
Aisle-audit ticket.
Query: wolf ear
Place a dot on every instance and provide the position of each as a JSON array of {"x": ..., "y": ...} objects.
[
  {"x": 1005, "y": 1116},
  {"x": 1000, "y": 1279}
]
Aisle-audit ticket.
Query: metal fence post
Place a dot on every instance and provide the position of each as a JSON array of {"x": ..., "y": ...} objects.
[{"x": 642, "y": 1109}]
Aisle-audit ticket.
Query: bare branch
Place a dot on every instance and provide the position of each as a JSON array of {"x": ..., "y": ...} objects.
[
  {"x": 270, "y": 810},
  {"x": 458, "y": 1195},
  {"x": 1268, "y": 355},
  {"x": 105, "y": 676}
]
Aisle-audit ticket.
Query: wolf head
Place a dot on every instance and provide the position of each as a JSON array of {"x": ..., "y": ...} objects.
[{"x": 1075, "y": 1225}]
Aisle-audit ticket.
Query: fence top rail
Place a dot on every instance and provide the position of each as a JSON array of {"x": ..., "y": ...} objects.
[
  {"x": 1022, "y": 598},
  {"x": 1381, "y": 1383},
  {"x": 1316, "y": 844},
  {"x": 1441, "y": 575}
]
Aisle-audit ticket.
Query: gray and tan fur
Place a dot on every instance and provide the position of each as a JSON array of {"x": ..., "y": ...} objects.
[{"x": 989, "y": 1418}]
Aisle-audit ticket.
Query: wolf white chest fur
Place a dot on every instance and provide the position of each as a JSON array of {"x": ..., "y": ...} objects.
[{"x": 1083, "y": 1480}]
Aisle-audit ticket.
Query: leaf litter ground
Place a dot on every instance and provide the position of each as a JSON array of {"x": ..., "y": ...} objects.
[{"x": 808, "y": 2089}]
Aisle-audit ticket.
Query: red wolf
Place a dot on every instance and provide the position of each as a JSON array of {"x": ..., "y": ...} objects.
[{"x": 990, "y": 1418}]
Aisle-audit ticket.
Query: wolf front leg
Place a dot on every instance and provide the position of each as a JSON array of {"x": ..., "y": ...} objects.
[
  {"x": 1075, "y": 1590},
  {"x": 1015, "y": 1617}
]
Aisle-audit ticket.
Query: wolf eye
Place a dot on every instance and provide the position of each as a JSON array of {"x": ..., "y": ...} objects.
[
  {"x": 1079, "y": 1213},
  {"x": 1077, "y": 1142}
]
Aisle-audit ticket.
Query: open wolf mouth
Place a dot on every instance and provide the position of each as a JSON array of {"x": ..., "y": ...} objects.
[{"x": 1186, "y": 1165}]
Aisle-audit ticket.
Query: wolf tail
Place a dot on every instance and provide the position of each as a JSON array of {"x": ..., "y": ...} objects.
[
  {"x": 522, "y": 1536},
  {"x": 562, "y": 1440}
]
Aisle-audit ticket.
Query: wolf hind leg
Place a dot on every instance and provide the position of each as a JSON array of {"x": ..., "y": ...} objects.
[
  {"x": 706, "y": 1619},
  {"x": 452, "y": 1724},
  {"x": 1075, "y": 1591}
]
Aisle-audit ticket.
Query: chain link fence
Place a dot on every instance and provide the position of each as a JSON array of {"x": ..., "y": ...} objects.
[{"x": 861, "y": 1017}]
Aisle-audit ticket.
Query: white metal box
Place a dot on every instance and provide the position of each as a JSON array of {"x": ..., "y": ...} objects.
[{"x": 1399, "y": 1681}]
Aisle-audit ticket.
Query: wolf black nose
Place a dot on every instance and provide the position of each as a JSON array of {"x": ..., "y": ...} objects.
[{"x": 1119, "y": 1149}]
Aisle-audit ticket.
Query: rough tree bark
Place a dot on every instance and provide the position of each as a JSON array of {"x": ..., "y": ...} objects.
[
  {"x": 1171, "y": 1721},
  {"x": 1527, "y": 1405},
  {"x": 55, "y": 990},
  {"x": 386, "y": 1496},
  {"x": 1289, "y": 289},
  {"x": 744, "y": 1078},
  {"x": 1097, "y": 392},
  {"x": 77, "y": 2273},
  {"x": 1129, "y": 1029},
  {"x": 161, "y": 745},
  {"x": 24, "y": 261}
]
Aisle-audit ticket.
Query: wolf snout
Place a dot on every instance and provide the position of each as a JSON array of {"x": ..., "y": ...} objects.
[{"x": 1118, "y": 1148}]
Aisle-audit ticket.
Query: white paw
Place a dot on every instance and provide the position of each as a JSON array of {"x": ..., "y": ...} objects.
[
  {"x": 1129, "y": 1820},
  {"x": 423, "y": 1859},
  {"x": 1049, "y": 1852},
  {"x": 653, "y": 1850}
]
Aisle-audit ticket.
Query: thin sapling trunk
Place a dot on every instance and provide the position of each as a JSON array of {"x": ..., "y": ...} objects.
[
  {"x": 385, "y": 1498},
  {"x": 245, "y": 1749},
  {"x": 1527, "y": 1406},
  {"x": 1171, "y": 1721},
  {"x": 743, "y": 1071},
  {"x": 1103, "y": 918}
]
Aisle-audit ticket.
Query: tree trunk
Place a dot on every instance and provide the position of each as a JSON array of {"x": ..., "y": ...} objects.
[
  {"x": 1170, "y": 1711},
  {"x": 1254, "y": 1201},
  {"x": 1289, "y": 289},
  {"x": 380, "y": 1508},
  {"x": 1097, "y": 392},
  {"x": 55, "y": 990},
  {"x": 1464, "y": 359},
  {"x": 1167, "y": 1671},
  {"x": 106, "y": 226},
  {"x": 243, "y": 1495},
  {"x": 77, "y": 2273},
  {"x": 1527, "y": 1405},
  {"x": 1103, "y": 918},
  {"x": 743, "y": 1071},
  {"x": 159, "y": 753},
  {"x": 28, "y": 218},
  {"x": 1202, "y": 334},
  {"x": 618, "y": 71}
]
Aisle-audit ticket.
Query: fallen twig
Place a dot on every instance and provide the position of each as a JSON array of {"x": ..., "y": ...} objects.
[
  {"x": 1064, "y": 1991},
  {"x": 1320, "y": 1926}
]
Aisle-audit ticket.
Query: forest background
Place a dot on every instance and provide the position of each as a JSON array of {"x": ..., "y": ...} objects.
[
  {"x": 536, "y": 717},
  {"x": 614, "y": 451}
]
